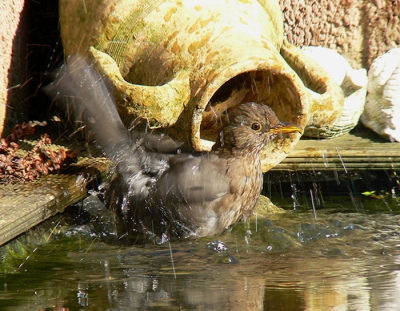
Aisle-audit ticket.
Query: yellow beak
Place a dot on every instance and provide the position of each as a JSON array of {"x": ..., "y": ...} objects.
[{"x": 287, "y": 128}]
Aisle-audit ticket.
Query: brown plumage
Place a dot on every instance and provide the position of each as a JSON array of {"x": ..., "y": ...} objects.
[{"x": 160, "y": 188}]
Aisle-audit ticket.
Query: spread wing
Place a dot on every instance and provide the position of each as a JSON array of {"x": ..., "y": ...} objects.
[{"x": 85, "y": 93}]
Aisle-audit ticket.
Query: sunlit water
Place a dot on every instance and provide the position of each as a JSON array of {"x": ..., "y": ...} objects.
[{"x": 333, "y": 258}]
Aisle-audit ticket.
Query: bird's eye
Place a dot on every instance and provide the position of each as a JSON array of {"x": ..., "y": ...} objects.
[{"x": 256, "y": 126}]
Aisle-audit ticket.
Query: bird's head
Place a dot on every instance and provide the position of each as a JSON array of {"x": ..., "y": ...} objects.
[{"x": 249, "y": 128}]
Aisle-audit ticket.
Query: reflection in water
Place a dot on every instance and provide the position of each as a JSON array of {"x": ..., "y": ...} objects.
[{"x": 341, "y": 261}]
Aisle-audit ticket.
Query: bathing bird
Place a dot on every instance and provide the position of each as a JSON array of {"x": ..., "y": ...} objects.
[{"x": 160, "y": 186}]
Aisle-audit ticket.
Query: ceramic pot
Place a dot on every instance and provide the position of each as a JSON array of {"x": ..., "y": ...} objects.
[
  {"x": 180, "y": 64},
  {"x": 353, "y": 83}
]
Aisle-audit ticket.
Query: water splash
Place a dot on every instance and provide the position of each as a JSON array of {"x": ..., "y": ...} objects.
[{"x": 313, "y": 204}]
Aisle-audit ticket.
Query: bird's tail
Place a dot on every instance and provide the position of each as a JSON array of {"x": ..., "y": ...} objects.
[{"x": 85, "y": 93}]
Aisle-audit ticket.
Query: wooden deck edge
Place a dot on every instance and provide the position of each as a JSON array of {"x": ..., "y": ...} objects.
[
  {"x": 348, "y": 152},
  {"x": 26, "y": 205}
]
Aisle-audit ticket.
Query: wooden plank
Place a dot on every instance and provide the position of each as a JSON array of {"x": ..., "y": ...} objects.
[
  {"x": 355, "y": 151},
  {"x": 25, "y": 205}
]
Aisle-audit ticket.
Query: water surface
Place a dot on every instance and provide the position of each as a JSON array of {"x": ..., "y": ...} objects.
[{"x": 342, "y": 254}]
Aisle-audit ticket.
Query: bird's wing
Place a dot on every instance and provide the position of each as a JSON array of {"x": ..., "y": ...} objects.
[
  {"x": 85, "y": 92},
  {"x": 194, "y": 179},
  {"x": 189, "y": 193},
  {"x": 161, "y": 143}
]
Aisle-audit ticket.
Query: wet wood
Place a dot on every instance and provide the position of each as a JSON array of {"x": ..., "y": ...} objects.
[
  {"x": 356, "y": 151},
  {"x": 25, "y": 205}
]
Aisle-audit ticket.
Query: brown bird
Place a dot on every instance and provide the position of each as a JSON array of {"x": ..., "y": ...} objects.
[{"x": 160, "y": 187}]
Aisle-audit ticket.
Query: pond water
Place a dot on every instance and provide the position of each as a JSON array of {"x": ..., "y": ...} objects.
[{"x": 333, "y": 249}]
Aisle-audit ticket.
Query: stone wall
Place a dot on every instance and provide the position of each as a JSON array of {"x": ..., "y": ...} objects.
[{"x": 359, "y": 30}]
